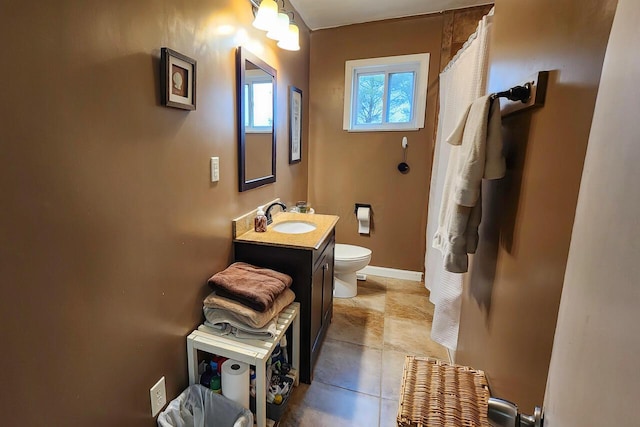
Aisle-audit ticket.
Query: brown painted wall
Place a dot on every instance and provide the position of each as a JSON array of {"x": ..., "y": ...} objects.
[
  {"x": 360, "y": 167},
  {"x": 348, "y": 168},
  {"x": 512, "y": 294},
  {"x": 110, "y": 226}
]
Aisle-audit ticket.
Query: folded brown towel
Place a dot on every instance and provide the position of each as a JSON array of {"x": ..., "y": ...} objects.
[{"x": 253, "y": 286}]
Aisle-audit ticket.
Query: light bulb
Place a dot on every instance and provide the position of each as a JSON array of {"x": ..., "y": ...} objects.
[
  {"x": 280, "y": 30},
  {"x": 292, "y": 40},
  {"x": 267, "y": 15}
]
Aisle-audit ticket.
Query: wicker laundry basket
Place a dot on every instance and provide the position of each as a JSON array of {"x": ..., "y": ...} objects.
[{"x": 438, "y": 394}]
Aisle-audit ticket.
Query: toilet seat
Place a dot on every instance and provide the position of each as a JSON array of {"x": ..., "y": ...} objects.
[{"x": 350, "y": 252}]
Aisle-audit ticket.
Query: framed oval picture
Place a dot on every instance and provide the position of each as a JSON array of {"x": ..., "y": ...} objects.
[{"x": 177, "y": 80}]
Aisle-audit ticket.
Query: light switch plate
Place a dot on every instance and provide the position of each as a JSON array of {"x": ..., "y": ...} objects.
[
  {"x": 215, "y": 169},
  {"x": 158, "y": 395}
]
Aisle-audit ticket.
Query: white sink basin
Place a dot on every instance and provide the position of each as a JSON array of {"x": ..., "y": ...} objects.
[{"x": 293, "y": 227}]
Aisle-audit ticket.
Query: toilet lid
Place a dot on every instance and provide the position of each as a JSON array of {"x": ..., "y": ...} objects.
[{"x": 351, "y": 252}]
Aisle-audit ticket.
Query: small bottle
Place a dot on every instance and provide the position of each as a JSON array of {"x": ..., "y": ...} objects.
[
  {"x": 260, "y": 221},
  {"x": 215, "y": 383},
  {"x": 252, "y": 382},
  {"x": 205, "y": 379},
  {"x": 283, "y": 346}
]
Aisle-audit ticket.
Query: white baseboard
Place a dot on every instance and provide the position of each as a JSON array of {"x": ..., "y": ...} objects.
[{"x": 392, "y": 273}]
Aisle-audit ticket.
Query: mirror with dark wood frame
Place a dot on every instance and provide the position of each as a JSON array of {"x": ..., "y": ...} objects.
[{"x": 256, "y": 101}]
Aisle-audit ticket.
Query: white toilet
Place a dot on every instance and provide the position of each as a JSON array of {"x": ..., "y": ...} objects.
[{"x": 347, "y": 260}]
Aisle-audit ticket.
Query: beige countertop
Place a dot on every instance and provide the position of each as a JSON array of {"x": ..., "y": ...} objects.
[{"x": 311, "y": 240}]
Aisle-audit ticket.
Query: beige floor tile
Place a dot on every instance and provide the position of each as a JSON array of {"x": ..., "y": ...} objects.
[
  {"x": 412, "y": 337},
  {"x": 388, "y": 413},
  {"x": 392, "y": 365},
  {"x": 408, "y": 306},
  {"x": 373, "y": 282},
  {"x": 357, "y": 325},
  {"x": 349, "y": 366},
  {"x": 405, "y": 286},
  {"x": 364, "y": 352},
  {"x": 370, "y": 296},
  {"x": 322, "y": 405}
]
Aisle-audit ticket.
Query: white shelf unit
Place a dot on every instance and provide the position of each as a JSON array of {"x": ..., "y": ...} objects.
[{"x": 253, "y": 352}]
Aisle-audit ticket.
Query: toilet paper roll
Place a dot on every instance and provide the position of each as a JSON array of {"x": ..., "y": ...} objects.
[
  {"x": 364, "y": 220},
  {"x": 235, "y": 382}
]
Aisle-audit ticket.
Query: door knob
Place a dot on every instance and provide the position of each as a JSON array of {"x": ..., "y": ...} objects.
[{"x": 503, "y": 413}]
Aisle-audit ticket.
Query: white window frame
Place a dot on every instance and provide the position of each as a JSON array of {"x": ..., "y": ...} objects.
[
  {"x": 417, "y": 63},
  {"x": 252, "y": 77}
]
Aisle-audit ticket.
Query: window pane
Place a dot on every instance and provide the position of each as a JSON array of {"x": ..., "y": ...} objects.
[
  {"x": 246, "y": 102},
  {"x": 262, "y": 104},
  {"x": 369, "y": 98},
  {"x": 400, "y": 99}
]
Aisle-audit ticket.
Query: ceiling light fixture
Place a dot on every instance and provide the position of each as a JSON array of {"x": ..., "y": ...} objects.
[{"x": 277, "y": 23}]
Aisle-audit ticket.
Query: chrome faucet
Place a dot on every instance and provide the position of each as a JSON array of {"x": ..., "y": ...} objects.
[{"x": 267, "y": 212}]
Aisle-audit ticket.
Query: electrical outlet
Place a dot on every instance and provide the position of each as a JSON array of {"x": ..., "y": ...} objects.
[
  {"x": 158, "y": 395},
  {"x": 215, "y": 169}
]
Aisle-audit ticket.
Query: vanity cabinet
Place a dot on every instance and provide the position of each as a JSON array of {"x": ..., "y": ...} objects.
[{"x": 312, "y": 273}]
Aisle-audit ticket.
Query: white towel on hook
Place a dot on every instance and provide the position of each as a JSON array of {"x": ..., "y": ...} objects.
[
  {"x": 479, "y": 136},
  {"x": 479, "y": 141}
]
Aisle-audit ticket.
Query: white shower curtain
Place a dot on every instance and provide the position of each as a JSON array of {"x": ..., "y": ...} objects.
[{"x": 463, "y": 80}]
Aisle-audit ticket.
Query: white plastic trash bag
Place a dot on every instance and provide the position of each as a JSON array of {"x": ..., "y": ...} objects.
[{"x": 198, "y": 406}]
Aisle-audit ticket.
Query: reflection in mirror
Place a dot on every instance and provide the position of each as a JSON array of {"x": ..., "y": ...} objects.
[{"x": 256, "y": 111}]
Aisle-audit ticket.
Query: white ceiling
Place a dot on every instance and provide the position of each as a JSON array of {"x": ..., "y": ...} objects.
[{"x": 319, "y": 14}]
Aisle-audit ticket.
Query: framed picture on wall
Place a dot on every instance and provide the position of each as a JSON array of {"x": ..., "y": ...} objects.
[
  {"x": 295, "y": 125},
  {"x": 177, "y": 80}
]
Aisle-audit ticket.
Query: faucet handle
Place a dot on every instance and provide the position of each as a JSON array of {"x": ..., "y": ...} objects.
[{"x": 267, "y": 211}]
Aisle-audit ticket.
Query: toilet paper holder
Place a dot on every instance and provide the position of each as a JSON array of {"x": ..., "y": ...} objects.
[
  {"x": 362, "y": 205},
  {"x": 365, "y": 224}
]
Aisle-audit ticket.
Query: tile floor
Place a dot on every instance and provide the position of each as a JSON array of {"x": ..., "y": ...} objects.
[{"x": 359, "y": 369}]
